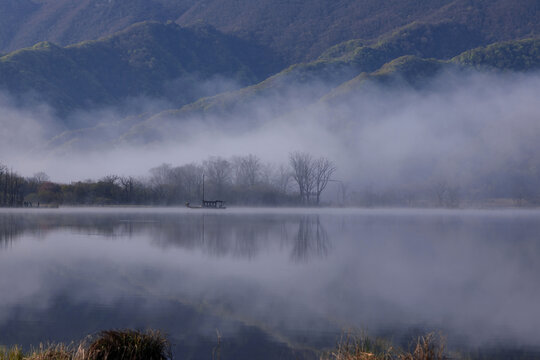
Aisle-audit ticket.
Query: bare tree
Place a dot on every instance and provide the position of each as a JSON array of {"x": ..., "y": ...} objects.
[
  {"x": 343, "y": 192},
  {"x": 218, "y": 172},
  {"x": 440, "y": 188},
  {"x": 11, "y": 187},
  {"x": 247, "y": 170},
  {"x": 159, "y": 181},
  {"x": 323, "y": 169},
  {"x": 40, "y": 177},
  {"x": 302, "y": 172},
  {"x": 3, "y": 184},
  {"x": 282, "y": 179},
  {"x": 191, "y": 180},
  {"x": 127, "y": 183},
  {"x": 446, "y": 195}
]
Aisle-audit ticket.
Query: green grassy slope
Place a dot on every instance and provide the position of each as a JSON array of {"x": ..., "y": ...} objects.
[
  {"x": 521, "y": 55},
  {"x": 144, "y": 59},
  {"x": 511, "y": 55}
]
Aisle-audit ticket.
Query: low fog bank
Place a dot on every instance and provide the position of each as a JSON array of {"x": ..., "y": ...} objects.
[{"x": 468, "y": 135}]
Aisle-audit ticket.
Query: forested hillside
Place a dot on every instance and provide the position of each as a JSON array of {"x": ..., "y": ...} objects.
[
  {"x": 390, "y": 62},
  {"x": 284, "y": 54},
  {"x": 299, "y": 30},
  {"x": 511, "y": 55},
  {"x": 148, "y": 59}
]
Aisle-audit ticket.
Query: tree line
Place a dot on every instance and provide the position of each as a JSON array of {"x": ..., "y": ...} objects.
[
  {"x": 242, "y": 180},
  {"x": 247, "y": 180},
  {"x": 11, "y": 187}
]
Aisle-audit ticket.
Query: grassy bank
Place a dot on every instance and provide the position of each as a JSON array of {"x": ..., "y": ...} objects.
[
  {"x": 107, "y": 345},
  {"x": 152, "y": 345}
]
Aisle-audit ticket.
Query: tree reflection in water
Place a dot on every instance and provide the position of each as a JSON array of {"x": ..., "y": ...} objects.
[
  {"x": 311, "y": 241},
  {"x": 8, "y": 231},
  {"x": 240, "y": 236},
  {"x": 247, "y": 236},
  {"x": 14, "y": 225}
]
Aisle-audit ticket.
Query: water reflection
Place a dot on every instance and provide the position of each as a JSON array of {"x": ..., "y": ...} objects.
[
  {"x": 284, "y": 279},
  {"x": 311, "y": 240},
  {"x": 216, "y": 235}
]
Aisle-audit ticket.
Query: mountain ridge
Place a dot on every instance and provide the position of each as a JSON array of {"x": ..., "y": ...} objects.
[
  {"x": 139, "y": 61},
  {"x": 299, "y": 31},
  {"x": 406, "y": 70}
]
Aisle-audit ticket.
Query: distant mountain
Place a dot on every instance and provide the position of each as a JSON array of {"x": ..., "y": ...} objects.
[
  {"x": 337, "y": 65},
  {"x": 288, "y": 53},
  {"x": 338, "y": 79},
  {"x": 147, "y": 59},
  {"x": 26, "y": 22},
  {"x": 298, "y": 30}
]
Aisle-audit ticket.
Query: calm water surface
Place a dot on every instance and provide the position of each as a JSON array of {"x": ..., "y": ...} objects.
[{"x": 276, "y": 284}]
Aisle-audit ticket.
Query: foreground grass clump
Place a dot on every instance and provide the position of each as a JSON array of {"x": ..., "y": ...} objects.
[
  {"x": 53, "y": 352},
  {"x": 14, "y": 353},
  {"x": 129, "y": 345},
  {"x": 429, "y": 347},
  {"x": 107, "y": 345}
]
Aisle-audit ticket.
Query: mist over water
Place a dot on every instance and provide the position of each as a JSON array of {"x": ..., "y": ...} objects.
[
  {"x": 293, "y": 276},
  {"x": 461, "y": 127}
]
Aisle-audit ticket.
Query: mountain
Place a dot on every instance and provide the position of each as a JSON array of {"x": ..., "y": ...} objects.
[
  {"x": 26, "y": 22},
  {"x": 298, "y": 30},
  {"x": 148, "y": 59},
  {"x": 284, "y": 54},
  {"x": 339, "y": 79},
  {"x": 334, "y": 67}
]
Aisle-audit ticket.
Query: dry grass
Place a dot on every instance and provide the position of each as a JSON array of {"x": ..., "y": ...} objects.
[
  {"x": 50, "y": 352},
  {"x": 107, "y": 345},
  {"x": 129, "y": 345},
  {"x": 152, "y": 345},
  {"x": 429, "y": 347},
  {"x": 15, "y": 353}
]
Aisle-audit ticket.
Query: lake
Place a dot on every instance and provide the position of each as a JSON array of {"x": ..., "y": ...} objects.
[{"x": 273, "y": 283}]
